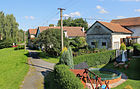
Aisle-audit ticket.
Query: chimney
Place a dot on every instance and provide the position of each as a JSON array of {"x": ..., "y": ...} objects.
[{"x": 83, "y": 29}]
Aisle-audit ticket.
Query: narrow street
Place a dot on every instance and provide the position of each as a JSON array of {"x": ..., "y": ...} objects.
[{"x": 38, "y": 68}]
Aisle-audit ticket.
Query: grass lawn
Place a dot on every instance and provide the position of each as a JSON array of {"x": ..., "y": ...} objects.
[
  {"x": 133, "y": 73},
  {"x": 12, "y": 68},
  {"x": 48, "y": 59}
]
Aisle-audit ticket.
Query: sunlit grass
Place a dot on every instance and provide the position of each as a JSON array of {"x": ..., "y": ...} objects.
[{"x": 12, "y": 68}]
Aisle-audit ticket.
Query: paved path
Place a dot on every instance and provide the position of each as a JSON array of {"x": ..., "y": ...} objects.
[{"x": 38, "y": 68}]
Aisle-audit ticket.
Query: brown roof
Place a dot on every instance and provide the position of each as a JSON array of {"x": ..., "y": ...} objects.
[
  {"x": 32, "y": 31},
  {"x": 135, "y": 21},
  {"x": 115, "y": 27},
  {"x": 71, "y": 31},
  {"x": 133, "y": 37}
]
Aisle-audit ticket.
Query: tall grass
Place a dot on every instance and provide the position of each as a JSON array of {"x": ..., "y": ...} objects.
[{"x": 12, "y": 68}]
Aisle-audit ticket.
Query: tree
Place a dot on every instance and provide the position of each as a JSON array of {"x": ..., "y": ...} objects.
[
  {"x": 51, "y": 25},
  {"x": 51, "y": 39},
  {"x": 67, "y": 58},
  {"x": 78, "y": 43},
  {"x": 79, "y": 22},
  {"x": 9, "y": 28}
]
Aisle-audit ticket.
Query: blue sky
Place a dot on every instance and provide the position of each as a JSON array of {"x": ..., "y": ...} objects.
[{"x": 34, "y": 13}]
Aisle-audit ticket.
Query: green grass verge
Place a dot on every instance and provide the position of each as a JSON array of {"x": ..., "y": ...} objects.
[
  {"x": 43, "y": 56},
  {"x": 132, "y": 72},
  {"x": 12, "y": 68}
]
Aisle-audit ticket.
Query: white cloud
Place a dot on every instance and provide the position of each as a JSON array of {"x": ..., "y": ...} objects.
[
  {"x": 130, "y": 0},
  {"x": 120, "y": 17},
  {"x": 137, "y": 10},
  {"x": 101, "y": 9},
  {"x": 72, "y": 14},
  {"x": 30, "y": 17}
]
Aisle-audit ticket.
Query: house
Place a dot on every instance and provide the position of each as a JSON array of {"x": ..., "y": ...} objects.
[
  {"x": 70, "y": 32},
  {"x": 132, "y": 24},
  {"x": 108, "y": 35},
  {"x": 32, "y": 33}
]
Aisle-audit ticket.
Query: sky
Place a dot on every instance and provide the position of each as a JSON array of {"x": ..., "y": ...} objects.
[{"x": 33, "y": 13}]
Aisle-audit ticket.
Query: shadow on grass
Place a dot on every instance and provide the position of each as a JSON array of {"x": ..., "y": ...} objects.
[{"x": 133, "y": 71}]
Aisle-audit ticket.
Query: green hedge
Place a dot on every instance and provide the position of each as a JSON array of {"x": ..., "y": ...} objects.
[
  {"x": 65, "y": 79},
  {"x": 19, "y": 47},
  {"x": 136, "y": 49},
  {"x": 5, "y": 44},
  {"x": 50, "y": 81},
  {"x": 95, "y": 59}
]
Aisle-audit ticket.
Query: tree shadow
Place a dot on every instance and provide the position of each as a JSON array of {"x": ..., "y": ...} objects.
[{"x": 39, "y": 66}]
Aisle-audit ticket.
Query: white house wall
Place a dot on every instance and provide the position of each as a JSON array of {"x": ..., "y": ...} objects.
[{"x": 116, "y": 39}]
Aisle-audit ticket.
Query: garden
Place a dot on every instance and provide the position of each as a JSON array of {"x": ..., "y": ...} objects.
[
  {"x": 76, "y": 51},
  {"x": 13, "y": 68},
  {"x": 101, "y": 60}
]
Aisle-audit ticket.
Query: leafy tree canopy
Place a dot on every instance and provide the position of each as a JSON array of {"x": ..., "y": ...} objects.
[
  {"x": 51, "y": 25},
  {"x": 9, "y": 28},
  {"x": 79, "y": 22},
  {"x": 51, "y": 39}
]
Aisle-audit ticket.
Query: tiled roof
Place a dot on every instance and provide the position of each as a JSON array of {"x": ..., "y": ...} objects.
[
  {"x": 115, "y": 27},
  {"x": 32, "y": 31},
  {"x": 71, "y": 31},
  {"x": 135, "y": 21},
  {"x": 133, "y": 37}
]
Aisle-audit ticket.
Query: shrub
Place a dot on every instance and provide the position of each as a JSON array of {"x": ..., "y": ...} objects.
[
  {"x": 19, "y": 47},
  {"x": 5, "y": 44},
  {"x": 136, "y": 49},
  {"x": 50, "y": 81},
  {"x": 95, "y": 59},
  {"x": 67, "y": 58},
  {"x": 65, "y": 79},
  {"x": 123, "y": 46}
]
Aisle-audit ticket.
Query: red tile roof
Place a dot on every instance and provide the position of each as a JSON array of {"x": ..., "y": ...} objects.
[
  {"x": 133, "y": 37},
  {"x": 32, "y": 31},
  {"x": 135, "y": 21},
  {"x": 71, "y": 31},
  {"x": 115, "y": 27}
]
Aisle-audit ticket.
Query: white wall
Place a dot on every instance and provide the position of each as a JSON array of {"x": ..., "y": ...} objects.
[
  {"x": 32, "y": 36},
  {"x": 116, "y": 39}
]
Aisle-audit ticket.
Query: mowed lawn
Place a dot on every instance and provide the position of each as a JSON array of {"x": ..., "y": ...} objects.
[
  {"x": 133, "y": 73},
  {"x": 12, "y": 68}
]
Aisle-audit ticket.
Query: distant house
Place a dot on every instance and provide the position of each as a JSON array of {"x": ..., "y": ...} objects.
[
  {"x": 108, "y": 35},
  {"x": 132, "y": 24},
  {"x": 70, "y": 32},
  {"x": 32, "y": 33}
]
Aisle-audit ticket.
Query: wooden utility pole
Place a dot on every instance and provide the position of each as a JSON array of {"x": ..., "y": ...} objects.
[
  {"x": 25, "y": 40},
  {"x": 62, "y": 43}
]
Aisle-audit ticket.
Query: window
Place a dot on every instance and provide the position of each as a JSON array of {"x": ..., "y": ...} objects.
[
  {"x": 103, "y": 43},
  {"x": 116, "y": 45},
  {"x": 92, "y": 43}
]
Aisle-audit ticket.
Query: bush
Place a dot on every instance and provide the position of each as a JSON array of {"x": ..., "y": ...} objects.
[
  {"x": 136, "y": 49},
  {"x": 50, "y": 81},
  {"x": 5, "y": 44},
  {"x": 19, "y": 47},
  {"x": 95, "y": 59},
  {"x": 65, "y": 79},
  {"x": 123, "y": 46}
]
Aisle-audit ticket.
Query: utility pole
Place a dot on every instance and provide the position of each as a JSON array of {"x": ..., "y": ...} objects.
[
  {"x": 25, "y": 40},
  {"x": 62, "y": 43}
]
